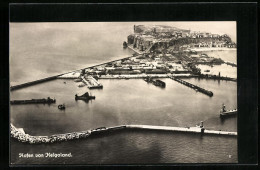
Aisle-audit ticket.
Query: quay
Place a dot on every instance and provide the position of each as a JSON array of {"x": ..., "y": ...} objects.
[
  {"x": 20, "y": 135},
  {"x": 71, "y": 75},
  {"x": 91, "y": 82},
  {"x": 196, "y": 88},
  {"x": 34, "y": 101},
  {"x": 142, "y": 76}
]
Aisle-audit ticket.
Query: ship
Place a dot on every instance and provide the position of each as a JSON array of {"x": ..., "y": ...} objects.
[
  {"x": 85, "y": 97},
  {"x": 159, "y": 83},
  {"x": 156, "y": 82},
  {"x": 227, "y": 113},
  {"x": 34, "y": 101}
]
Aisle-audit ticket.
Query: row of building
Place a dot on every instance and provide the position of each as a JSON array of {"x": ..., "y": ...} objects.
[
  {"x": 150, "y": 38},
  {"x": 138, "y": 65}
]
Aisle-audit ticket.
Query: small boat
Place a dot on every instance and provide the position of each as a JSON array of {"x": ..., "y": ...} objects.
[
  {"x": 207, "y": 70},
  {"x": 227, "y": 113},
  {"x": 61, "y": 107}
]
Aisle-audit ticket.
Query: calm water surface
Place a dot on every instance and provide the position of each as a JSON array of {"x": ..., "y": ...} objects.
[
  {"x": 60, "y": 49},
  {"x": 129, "y": 102}
]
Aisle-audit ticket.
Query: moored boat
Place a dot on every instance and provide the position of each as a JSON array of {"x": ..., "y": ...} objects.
[{"x": 226, "y": 113}]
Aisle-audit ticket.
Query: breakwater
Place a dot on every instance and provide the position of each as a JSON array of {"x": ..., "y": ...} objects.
[
  {"x": 20, "y": 135},
  {"x": 215, "y": 77},
  {"x": 33, "y": 82},
  {"x": 231, "y": 64},
  {"x": 196, "y": 88}
]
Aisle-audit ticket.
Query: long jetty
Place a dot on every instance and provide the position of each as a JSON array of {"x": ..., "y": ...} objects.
[
  {"x": 21, "y": 136},
  {"x": 196, "y": 88},
  {"x": 33, "y": 82}
]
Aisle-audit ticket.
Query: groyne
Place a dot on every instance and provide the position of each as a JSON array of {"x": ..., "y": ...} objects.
[
  {"x": 21, "y": 136},
  {"x": 196, "y": 88}
]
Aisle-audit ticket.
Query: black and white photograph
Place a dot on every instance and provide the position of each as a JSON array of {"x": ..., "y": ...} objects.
[{"x": 123, "y": 92}]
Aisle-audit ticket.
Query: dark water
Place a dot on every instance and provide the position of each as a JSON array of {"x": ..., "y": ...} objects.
[{"x": 40, "y": 50}]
